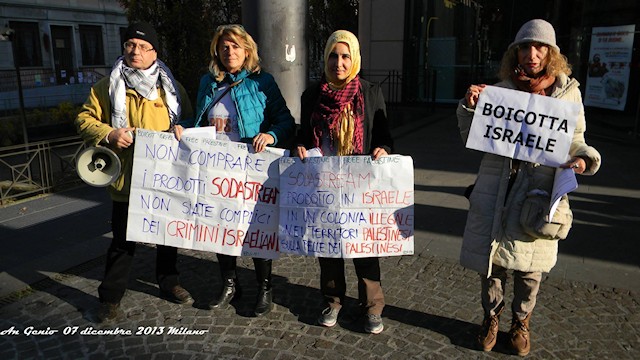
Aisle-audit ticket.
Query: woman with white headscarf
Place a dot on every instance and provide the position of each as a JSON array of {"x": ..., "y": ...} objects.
[{"x": 346, "y": 115}]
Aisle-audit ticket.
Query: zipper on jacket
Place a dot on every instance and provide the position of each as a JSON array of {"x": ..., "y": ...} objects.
[{"x": 241, "y": 131}]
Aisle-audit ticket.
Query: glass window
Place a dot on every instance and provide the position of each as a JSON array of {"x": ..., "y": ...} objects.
[
  {"x": 27, "y": 43},
  {"x": 91, "y": 44}
]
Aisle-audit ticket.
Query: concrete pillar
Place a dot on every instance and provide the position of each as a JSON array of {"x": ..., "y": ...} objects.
[{"x": 278, "y": 26}]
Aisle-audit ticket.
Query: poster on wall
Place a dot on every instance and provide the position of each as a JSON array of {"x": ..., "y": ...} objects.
[{"x": 609, "y": 66}]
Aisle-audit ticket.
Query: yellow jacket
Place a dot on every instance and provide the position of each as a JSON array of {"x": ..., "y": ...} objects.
[{"x": 94, "y": 124}]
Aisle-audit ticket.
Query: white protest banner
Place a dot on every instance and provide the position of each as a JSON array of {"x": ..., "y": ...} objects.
[
  {"x": 523, "y": 126},
  {"x": 204, "y": 194},
  {"x": 609, "y": 66},
  {"x": 347, "y": 206}
]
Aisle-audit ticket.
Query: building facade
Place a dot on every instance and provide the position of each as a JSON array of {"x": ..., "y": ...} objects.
[
  {"x": 58, "y": 48},
  {"x": 429, "y": 51},
  {"x": 421, "y": 51}
]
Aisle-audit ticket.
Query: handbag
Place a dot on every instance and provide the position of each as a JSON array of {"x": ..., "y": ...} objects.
[{"x": 534, "y": 217}]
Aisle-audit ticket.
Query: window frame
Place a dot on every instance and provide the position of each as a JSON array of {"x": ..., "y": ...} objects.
[
  {"x": 91, "y": 40},
  {"x": 27, "y": 46}
]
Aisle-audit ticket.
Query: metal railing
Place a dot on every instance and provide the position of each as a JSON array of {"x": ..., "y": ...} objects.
[
  {"x": 38, "y": 168},
  {"x": 44, "y": 77},
  {"x": 405, "y": 87}
]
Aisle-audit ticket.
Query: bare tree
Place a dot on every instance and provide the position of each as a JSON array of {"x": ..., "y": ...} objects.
[
  {"x": 325, "y": 17},
  {"x": 185, "y": 29}
]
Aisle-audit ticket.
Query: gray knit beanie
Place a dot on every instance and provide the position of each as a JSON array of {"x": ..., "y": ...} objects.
[{"x": 536, "y": 30}]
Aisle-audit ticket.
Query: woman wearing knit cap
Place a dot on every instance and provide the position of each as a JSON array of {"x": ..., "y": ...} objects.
[
  {"x": 245, "y": 104},
  {"x": 346, "y": 115},
  {"x": 494, "y": 239}
]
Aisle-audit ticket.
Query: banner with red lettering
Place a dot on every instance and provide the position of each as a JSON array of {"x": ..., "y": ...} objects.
[
  {"x": 347, "y": 206},
  {"x": 523, "y": 126},
  {"x": 204, "y": 194}
]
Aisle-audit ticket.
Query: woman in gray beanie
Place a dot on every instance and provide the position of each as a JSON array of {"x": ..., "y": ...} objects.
[{"x": 496, "y": 239}]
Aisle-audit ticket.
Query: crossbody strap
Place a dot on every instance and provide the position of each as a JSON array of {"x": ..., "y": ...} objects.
[{"x": 217, "y": 100}]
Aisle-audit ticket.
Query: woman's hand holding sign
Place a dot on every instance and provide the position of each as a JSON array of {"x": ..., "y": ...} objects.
[
  {"x": 261, "y": 141},
  {"x": 472, "y": 95}
]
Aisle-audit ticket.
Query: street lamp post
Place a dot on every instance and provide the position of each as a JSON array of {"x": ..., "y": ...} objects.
[{"x": 9, "y": 35}]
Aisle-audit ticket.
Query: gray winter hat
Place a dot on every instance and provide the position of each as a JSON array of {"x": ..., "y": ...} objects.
[{"x": 536, "y": 30}]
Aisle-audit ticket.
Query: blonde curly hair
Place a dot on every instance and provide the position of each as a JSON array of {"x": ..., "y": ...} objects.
[{"x": 555, "y": 62}]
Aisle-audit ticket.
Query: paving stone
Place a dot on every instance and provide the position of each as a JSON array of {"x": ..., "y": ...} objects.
[{"x": 432, "y": 312}]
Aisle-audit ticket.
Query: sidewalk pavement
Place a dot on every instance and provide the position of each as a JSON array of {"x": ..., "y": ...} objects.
[{"x": 588, "y": 307}]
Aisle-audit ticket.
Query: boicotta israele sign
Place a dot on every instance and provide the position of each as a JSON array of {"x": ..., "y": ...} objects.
[{"x": 523, "y": 126}]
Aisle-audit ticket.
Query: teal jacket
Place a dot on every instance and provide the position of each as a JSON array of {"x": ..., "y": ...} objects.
[{"x": 259, "y": 104}]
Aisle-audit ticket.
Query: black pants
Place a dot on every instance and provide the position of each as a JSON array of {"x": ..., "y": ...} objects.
[
  {"x": 120, "y": 259},
  {"x": 262, "y": 266},
  {"x": 334, "y": 287}
]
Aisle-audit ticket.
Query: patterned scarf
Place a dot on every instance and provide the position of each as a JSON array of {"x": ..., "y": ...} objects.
[
  {"x": 144, "y": 83},
  {"x": 536, "y": 85},
  {"x": 341, "y": 112}
]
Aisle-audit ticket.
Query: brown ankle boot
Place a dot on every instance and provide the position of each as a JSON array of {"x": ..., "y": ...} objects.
[
  {"x": 519, "y": 335},
  {"x": 489, "y": 331}
]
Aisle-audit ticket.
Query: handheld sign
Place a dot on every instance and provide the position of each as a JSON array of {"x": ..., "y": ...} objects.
[
  {"x": 204, "y": 194},
  {"x": 523, "y": 126},
  {"x": 347, "y": 206}
]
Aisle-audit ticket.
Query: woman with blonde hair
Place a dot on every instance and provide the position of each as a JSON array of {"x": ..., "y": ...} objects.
[
  {"x": 245, "y": 104},
  {"x": 346, "y": 115},
  {"x": 497, "y": 236}
]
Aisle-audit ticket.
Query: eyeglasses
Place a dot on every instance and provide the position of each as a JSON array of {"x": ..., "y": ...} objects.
[{"x": 130, "y": 46}]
